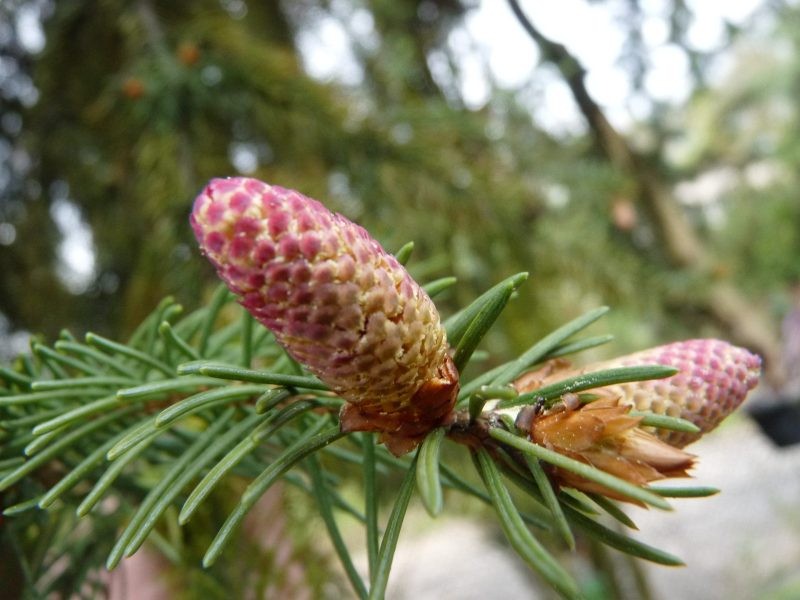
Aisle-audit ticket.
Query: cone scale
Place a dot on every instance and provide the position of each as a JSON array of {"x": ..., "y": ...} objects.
[{"x": 336, "y": 301}]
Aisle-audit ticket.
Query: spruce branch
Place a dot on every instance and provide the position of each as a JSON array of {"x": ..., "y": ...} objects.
[{"x": 85, "y": 421}]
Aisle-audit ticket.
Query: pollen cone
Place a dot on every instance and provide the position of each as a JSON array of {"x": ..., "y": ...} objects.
[{"x": 336, "y": 301}]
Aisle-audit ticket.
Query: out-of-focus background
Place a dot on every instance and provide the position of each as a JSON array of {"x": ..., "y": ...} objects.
[{"x": 638, "y": 153}]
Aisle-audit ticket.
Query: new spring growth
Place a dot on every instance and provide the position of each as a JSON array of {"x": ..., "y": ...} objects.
[
  {"x": 713, "y": 380},
  {"x": 336, "y": 301}
]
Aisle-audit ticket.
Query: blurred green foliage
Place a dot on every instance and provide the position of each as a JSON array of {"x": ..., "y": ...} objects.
[{"x": 139, "y": 103}]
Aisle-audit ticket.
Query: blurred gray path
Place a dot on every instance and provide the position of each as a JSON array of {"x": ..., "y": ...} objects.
[{"x": 741, "y": 544}]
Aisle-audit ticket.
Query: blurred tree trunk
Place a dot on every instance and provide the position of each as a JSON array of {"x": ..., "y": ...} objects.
[{"x": 747, "y": 323}]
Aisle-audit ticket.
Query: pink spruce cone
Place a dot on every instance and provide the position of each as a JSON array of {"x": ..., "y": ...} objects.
[
  {"x": 713, "y": 381},
  {"x": 336, "y": 301}
]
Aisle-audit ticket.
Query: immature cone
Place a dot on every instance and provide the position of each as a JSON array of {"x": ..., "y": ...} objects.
[
  {"x": 713, "y": 380},
  {"x": 336, "y": 301}
]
